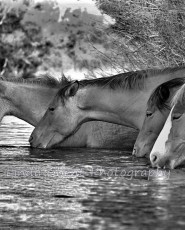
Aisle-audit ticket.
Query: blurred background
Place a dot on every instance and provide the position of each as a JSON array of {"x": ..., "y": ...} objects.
[
  {"x": 92, "y": 37},
  {"x": 52, "y": 36}
]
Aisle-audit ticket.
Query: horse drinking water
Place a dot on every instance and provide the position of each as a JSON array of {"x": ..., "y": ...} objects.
[
  {"x": 158, "y": 109},
  {"x": 28, "y": 100},
  {"x": 120, "y": 99},
  {"x": 169, "y": 148}
]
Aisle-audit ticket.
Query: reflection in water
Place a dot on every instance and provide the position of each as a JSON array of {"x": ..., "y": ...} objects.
[{"x": 84, "y": 188}]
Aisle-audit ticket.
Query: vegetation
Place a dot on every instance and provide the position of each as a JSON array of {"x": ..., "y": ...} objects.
[
  {"x": 146, "y": 33},
  {"x": 36, "y": 37},
  {"x": 143, "y": 34}
]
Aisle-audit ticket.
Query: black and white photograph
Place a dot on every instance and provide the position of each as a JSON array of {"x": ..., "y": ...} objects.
[{"x": 92, "y": 114}]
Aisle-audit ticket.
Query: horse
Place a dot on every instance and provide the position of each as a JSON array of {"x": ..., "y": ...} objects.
[
  {"x": 168, "y": 150},
  {"x": 120, "y": 99},
  {"x": 28, "y": 99},
  {"x": 158, "y": 109}
]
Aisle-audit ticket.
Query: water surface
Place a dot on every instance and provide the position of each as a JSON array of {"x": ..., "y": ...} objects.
[{"x": 83, "y": 188}]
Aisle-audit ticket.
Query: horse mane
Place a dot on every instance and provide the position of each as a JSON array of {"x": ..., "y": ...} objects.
[
  {"x": 167, "y": 70},
  {"x": 134, "y": 80},
  {"x": 127, "y": 80},
  {"x": 179, "y": 96},
  {"x": 43, "y": 80},
  {"x": 160, "y": 96}
]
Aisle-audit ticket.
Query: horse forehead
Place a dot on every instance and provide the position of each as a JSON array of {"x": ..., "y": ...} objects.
[
  {"x": 55, "y": 102},
  {"x": 151, "y": 107},
  {"x": 179, "y": 108},
  {"x": 167, "y": 127},
  {"x": 159, "y": 145}
]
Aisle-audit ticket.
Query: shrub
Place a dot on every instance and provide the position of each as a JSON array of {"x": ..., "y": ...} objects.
[{"x": 146, "y": 33}]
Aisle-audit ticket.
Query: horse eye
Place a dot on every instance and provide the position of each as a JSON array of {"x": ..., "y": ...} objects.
[
  {"x": 176, "y": 116},
  {"x": 149, "y": 114},
  {"x": 51, "y": 109}
]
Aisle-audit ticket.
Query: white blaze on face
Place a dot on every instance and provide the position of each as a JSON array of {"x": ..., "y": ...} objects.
[{"x": 159, "y": 145}]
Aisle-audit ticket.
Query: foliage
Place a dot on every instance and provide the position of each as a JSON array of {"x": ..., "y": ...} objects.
[
  {"x": 146, "y": 33},
  {"x": 38, "y": 37},
  {"x": 17, "y": 42}
]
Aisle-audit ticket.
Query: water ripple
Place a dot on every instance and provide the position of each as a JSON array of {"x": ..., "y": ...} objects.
[{"x": 84, "y": 188}]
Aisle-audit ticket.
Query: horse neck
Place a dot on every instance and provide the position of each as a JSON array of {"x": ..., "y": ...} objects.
[
  {"x": 26, "y": 101},
  {"x": 153, "y": 82},
  {"x": 122, "y": 106},
  {"x": 113, "y": 106}
]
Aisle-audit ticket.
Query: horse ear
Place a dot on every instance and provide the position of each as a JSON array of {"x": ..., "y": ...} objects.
[
  {"x": 64, "y": 79},
  {"x": 72, "y": 89}
]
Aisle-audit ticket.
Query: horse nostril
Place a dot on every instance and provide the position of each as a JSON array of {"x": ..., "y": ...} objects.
[
  {"x": 31, "y": 139},
  {"x": 134, "y": 151},
  {"x": 154, "y": 158}
]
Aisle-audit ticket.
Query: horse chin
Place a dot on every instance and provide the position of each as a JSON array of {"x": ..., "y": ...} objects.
[
  {"x": 54, "y": 141},
  {"x": 144, "y": 151},
  {"x": 177, "y": 163}
]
